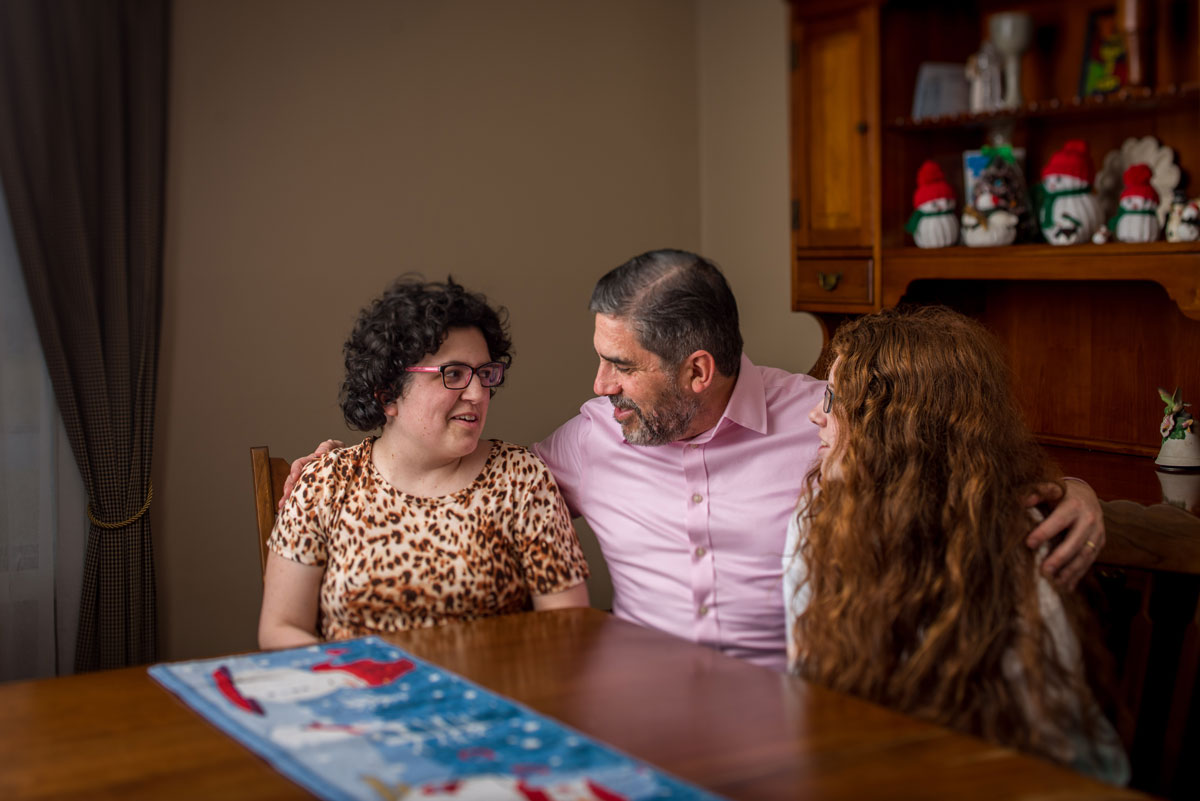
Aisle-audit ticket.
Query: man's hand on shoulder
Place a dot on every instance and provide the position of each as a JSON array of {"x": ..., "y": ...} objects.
[
  {"x": 1077, "y": 514},
  {"x": 298, "y": 466}
]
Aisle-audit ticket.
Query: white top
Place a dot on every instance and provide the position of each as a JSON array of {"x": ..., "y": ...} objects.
[{"x": 1103, "y": 758}]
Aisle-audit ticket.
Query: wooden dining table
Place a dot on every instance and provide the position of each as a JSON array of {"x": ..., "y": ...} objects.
[{"x": 736, "y": 729}]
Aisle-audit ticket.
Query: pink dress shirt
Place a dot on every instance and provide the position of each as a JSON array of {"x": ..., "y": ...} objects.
[{"x": 693, "y": 531}]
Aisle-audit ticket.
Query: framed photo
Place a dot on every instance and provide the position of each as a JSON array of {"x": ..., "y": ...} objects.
[
  {"x": 1105, "y": 67},
  {"x": 976, "y": 161}
]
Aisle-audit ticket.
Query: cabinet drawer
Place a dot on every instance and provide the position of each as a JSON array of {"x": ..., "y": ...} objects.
[{"x": 833, "y": 281}]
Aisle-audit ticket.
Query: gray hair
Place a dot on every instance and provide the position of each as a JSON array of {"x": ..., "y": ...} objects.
[{"x": 678, "y": 303}]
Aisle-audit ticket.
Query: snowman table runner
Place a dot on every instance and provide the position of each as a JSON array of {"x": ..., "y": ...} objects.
[{"x": 362, "y": 719}]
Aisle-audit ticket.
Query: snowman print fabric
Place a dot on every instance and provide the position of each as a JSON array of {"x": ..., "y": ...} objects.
[{"x": 362, "y": 720}]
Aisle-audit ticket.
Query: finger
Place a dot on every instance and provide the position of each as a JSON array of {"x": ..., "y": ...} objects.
[
  {"x": 1045, "y": 492},
  {"x": 1076, "y": 569},
  {"x": 293, "y": 476},
  {"x": 1071, "y": 560},
  {"x": 288, "y": 486},
  {"x": 1057, "y": 521},
  {"x": 298, "y": 467}
]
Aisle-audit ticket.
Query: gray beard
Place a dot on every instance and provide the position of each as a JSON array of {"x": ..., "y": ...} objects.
[{"x": 673, "y": 414}]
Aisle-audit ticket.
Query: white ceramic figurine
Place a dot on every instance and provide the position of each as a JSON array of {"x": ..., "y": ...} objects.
[
  {"x": 1183, "y": 223},
  {"x": 1180, "y": 443},
  {"x": 933, "y": 224},
  {"x": 1070, "y": 213}
]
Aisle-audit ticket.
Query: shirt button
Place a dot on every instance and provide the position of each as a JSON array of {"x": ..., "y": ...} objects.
[
  {"x": 697, "y": 498},
  {"x": 693, "y": 447},
  {"x": 703, "y": 611},
  {"x": 700, "y": 551}
]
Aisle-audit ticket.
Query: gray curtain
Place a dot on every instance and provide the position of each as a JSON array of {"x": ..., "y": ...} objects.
[{"x": 83, "y": 93}]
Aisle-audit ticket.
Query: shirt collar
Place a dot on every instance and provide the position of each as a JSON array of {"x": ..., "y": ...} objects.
[{"x": 747, "y": 406}]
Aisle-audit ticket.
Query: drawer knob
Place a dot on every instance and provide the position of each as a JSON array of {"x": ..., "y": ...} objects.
[{"x": 828, "y": 281}]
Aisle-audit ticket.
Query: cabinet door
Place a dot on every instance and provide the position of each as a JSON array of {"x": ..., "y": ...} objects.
[{"x": 834, "y": 125}]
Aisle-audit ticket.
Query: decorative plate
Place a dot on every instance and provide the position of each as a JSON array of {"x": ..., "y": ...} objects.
[{"x": 1147, "y": 150}]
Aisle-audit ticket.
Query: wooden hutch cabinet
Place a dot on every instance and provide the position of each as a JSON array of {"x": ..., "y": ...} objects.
[
  {"x": 835, "y": 156},
  {"x": 1091, "y": 330}
]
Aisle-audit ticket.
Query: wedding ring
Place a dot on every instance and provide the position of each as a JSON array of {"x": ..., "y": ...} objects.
[{"x": 1090, "y": 544}]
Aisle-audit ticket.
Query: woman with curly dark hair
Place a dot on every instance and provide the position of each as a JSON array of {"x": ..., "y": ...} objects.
[
  {"x": 907, "y": 579},
  {"x": 422, "y": 524}
]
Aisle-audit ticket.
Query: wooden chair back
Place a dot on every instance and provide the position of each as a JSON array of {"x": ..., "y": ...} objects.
[
  {"x": 1149, "y": 574},
  {"x": 269, "y": 475}
]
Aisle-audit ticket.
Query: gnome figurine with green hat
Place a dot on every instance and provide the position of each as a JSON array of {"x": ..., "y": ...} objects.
[{"x": 1180, "y": 445}]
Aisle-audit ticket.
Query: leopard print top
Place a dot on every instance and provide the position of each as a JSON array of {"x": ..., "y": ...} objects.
[{"x": 397, "y": 561}]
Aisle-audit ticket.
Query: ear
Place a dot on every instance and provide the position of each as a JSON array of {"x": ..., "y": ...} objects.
[
  {"x": 389, "y": 409},
  {"x": 698, "y": 371}
]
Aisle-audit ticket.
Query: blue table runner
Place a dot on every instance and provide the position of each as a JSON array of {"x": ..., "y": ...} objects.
[{"x": 363, "y": 720}]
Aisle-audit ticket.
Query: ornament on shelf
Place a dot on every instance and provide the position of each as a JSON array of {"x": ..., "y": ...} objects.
[
  {"x": 983, "y": 75},
  {"x": 1183, "y": 221},
  {"x": 998, "y": 207},
  {"x": 1069, "y": 213},
  {"x": 987, "y": 224},
  {"x": 1180, "y": 443},
  {"x": 1136, "y": 219},
  {"x": 1011, "y": 33},
  {"x": 933, "y": 224},
  {"x": 1148, "y": 151}
]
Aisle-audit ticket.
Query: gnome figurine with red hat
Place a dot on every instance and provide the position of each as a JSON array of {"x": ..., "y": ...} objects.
[
  {"x": 1136, "y": 219},
  {"x": 933, "y": 223},
  {"x": 1070, "y": 212}
]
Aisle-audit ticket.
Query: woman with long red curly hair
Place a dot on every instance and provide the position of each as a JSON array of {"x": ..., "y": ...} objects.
[{"x": 909, "y": 582}]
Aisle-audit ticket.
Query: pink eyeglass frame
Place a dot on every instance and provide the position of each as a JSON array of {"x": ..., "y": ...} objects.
[{"x": 474, "y": 372}]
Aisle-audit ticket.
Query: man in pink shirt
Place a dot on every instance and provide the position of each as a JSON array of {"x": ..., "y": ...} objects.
[{"x": 690, "y": 462}]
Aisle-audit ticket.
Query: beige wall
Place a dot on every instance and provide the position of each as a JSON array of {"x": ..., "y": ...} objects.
[
  {"x": 744, "y": 191},
  {"x": 319, "y": 149}
]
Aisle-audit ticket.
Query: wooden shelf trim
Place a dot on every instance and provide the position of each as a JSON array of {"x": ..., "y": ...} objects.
[
  {"x": 1173, "y": 266},
  {"x": 1127, "y": 100}
]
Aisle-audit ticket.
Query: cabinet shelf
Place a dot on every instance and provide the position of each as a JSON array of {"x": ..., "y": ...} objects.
[
  {"x": 1090, "y": 330},
  {"x": 1175, "y": 266},
  {"x": 1126, "y": 101}
]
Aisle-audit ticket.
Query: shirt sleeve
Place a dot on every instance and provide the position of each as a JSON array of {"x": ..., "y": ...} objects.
[
  {"x": 562, "y": 452},
  {"x": 550, "y": 556},
  {"x": 300, "y": 533}
]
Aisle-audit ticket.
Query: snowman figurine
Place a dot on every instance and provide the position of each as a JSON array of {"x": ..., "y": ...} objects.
[
  {"x": 1183, "y": 223},
  {"x": 933, "y": 224},
  {"x": 1070, "y": 212},
  {"x": 250, "y": 689},
  {"x": 987, "y": 223},
  {"x": 1136, "y": 219}
]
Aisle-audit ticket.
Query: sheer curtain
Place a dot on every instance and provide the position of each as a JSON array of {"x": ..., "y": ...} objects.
[
  {"x": 83, "y": 94},
  {"x": 42, "y": 520}
]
